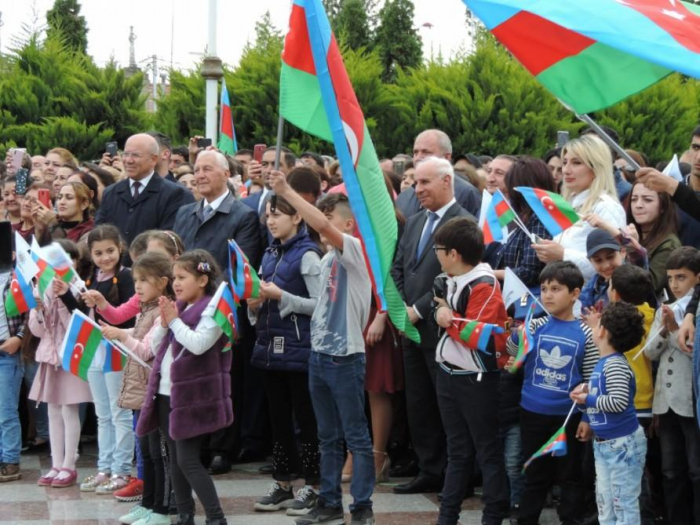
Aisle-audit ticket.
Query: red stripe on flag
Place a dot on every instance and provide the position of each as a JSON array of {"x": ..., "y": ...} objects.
[
  {"x": 18, "y": 296},
  {"x": 547, "y": 42},
  {"x": 226, "y": 122},
  {"x": 297, "y": 46},
  {"x": 79, "y": 347},
  {"x": 673, "y": 17},
  {"x": 502, "y": 208},
  {"x": 553, "y": 209}
]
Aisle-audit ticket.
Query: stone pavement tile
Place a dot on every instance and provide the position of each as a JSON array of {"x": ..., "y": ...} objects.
[
  {"x": 16, "y": 492},
  {"x": 86, "y": 509},
  {"x": 26, "y": 510}
]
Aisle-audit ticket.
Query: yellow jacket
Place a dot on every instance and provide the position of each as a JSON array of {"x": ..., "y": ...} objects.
[{"x": 642, "y": 366}]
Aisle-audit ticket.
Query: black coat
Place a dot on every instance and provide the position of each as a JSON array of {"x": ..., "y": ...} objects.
[
  {"x": 232, "y": 220},
  {"x": 153, "y": 209},
  {"x": 414, "y": 279}
]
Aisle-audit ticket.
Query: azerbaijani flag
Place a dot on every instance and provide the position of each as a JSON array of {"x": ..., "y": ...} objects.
[
  {"x": 19, "y": 298},
  {"x": 61, "y": 263},
  {"x": 80, "y": 345},
  {"x": 115, "y": 360},
  {"x": 525, "y": 341},
  {"x": 556, "y": 446},
  {"x": 577, "y": 50},
  {"x": 553, "y": 210},
  {"x": 227, "y": 133},
  {"x": 46, "y": 272},
  {"x": 316, "y": 95},
  {"x": 225, "y": 312},
  {"x": 498, "y": 216},
  {"x": 477, "y": 334},
  {"x": 244, "y": 279}
]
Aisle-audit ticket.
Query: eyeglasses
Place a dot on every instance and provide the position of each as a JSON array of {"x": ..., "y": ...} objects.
[
  {"x": 136, "y": 156},
  {"x": 438, "y": 248}
]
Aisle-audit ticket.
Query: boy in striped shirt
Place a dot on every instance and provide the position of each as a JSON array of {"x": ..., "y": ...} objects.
[{"x": 619, "y": 443}]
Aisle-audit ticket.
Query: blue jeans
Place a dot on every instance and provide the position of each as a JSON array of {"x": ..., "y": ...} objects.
[
  {"x": 337, "y": 387},
  {"x": 115, "y": 434},
  {"x": 513, "y": 455},
  {"x": 39, "y": 410},
  {"x": 11, "y": 373},
  {"x": 619, "y": 464}
]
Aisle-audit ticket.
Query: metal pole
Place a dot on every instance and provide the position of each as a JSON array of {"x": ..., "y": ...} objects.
[
  {"x": 212, "y": 83},
  {"x": 608, "y": 140},
  {"x": 155, "y": 81},
  {"x": 278, "y": 147}
]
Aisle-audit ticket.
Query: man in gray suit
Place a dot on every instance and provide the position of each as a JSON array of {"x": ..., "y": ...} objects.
[
  {"x": 414, "y": 270},
  {"x": 436, "y": 143}
]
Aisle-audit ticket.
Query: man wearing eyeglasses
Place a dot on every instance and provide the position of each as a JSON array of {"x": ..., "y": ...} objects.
[
  {"x": 142, "y": 201},
  {"x": 414, "y": 270}
]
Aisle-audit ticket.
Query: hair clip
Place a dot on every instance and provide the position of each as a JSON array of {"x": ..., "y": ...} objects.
[{"x": 203, "y": 267}]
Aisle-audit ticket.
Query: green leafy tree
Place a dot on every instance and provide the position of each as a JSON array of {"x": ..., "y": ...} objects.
[
  {"x": 397, "y": 40},
  {"x": 64, "y": 19},
  {"x": 51, "y": 96},
  {"x": 352, "y": 25}
]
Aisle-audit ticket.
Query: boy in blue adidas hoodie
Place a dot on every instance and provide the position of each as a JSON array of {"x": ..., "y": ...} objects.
[
  {"x": 562, "y": 358},
  {"x": 620, "y": 446}
]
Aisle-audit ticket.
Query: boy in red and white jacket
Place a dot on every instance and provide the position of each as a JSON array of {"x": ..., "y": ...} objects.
[{"x": 468, "y": 379}]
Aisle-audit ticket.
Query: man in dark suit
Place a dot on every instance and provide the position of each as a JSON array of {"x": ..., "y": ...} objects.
[
  {"x": 165, "y": 151},
  {"x": 436, "y": 143},
  {"x": 144, "y": 200},
  {"x": 414, "y": 270},
  {"x": 209, "y": 224}
]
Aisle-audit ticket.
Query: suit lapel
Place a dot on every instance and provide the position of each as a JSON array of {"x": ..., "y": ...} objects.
[{"x": 428, "y": 247}]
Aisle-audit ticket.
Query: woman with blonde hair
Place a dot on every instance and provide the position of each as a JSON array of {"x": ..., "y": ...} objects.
[
  {"x": 589, "y": 186},
  {"x": 56, "y": 158}
]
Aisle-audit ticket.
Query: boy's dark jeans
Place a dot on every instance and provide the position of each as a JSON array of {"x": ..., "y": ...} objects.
[
  {"x": 469, "y": 411},
  {"x": 566, "y": 470}
]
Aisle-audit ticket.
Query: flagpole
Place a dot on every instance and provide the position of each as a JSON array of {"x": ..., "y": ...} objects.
[
  {"x": 278, "y": 147},
  {"x": 649, "y": 340},
  {"x": 570, "y": 414},
  {"x": 608, "y": 140}
]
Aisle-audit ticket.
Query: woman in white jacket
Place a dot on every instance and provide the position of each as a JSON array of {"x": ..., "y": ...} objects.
[{"x": 589, "y": 186}]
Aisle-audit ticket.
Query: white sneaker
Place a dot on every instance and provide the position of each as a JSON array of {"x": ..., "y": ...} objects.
[
  {"x": 154, "y": 519},
  {"x": 135, "y": 514}
]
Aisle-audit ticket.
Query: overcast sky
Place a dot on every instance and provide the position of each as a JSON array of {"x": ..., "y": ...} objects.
[{"x": 154, "y": 20}]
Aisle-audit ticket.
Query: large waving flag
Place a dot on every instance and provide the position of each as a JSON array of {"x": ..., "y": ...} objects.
[
  {"x": 227, "y": 133},
  {"x": 20, "y": 298},
  {"x": 578, "y": 52},
  {"x": 81, "y": 345},
  {"x": 244, "y": 279},
  {"x": 553, "y": 210},
  {"x": 556, "y": 446},
  {"x": 316, "y": 95},
  {"x": 496, "y": 218}
]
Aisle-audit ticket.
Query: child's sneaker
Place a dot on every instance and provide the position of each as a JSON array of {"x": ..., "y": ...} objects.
[
  {"x": 132, "y": 492},
  {"x": 90, "y": 483},
  {"x": 153, "y": 518},
  {"x": 362, "y": 516},
  {"x": 322, "y": 514},
  {"x": 276, "y": 498},
  {"x": 134, "y": 515},
  {"x": 114, "y": 484},
  {"x": 10, "y": 472},
  {"x": 304, "y": 501}
]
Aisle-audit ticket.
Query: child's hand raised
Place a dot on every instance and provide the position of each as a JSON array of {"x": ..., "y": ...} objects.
[
  {"x": 278, "y": 182},
  {"x": 579, "y": 394},
  {"x": 591, "y": 316},
  {"x": 59, "y": 287},
  {"x": 669, "y": 319},
  {"x": 168, "y": 310},
  {"x": 93, "y": 298},
  {"x": 112, "y": 332}
]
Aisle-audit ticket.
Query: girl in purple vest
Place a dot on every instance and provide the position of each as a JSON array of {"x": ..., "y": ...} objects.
[
  {"x": 189, "y": 390},
  {"x": 289, "y": 292}
]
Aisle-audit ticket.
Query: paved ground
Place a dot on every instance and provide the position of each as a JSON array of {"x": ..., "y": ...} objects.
[{"x": 25, "y": 503}]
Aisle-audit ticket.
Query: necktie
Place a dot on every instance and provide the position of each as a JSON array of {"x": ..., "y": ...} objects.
[
  {"x": 135, "y": 189},
  {"x": 427, "y": 233},
  {"x": 207, "y": 212}
]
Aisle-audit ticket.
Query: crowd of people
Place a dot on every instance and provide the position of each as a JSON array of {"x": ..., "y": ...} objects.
[{"x": 598, "y": 353}]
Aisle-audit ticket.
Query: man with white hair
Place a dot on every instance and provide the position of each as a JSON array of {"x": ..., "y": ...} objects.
[
  {"x": 414, "y": 270},
  {"x": 141, "y": 201},
  {"x": 436, "y": 143}
]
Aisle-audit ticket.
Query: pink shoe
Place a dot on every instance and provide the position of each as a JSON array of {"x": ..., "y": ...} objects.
[
  {"x": 65, "y": 482},
  {"x": 45, "y": 481}
]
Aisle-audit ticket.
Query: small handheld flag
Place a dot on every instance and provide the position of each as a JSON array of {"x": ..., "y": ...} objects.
[
  {"x": 23, "y": 257},
  {"x": 244, "y": 279},
  {"x": 225, "y": 312},
  {"x": 81, "y": 345},
  {"x": 553, "y": 210},
  {"x": 20, "y": 298},
  {"x": 46, "y": 272},
  {"x": 115, "y": 360},
  {"x": 477, "y": 334},
  {"x": 525, "y": 342},
  {"x": 496, "y": 219},
  {"x": 556, "y": 446}
]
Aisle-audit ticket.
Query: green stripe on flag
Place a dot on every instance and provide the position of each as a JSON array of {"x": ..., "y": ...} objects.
[
  {"x": 225, "y": 144},
  {"x": 506, "y": 218},
  {"x": 468, "y": 330},
  {"x": 565, "y": 207},
  {"x": 599, "y": 77},
  {"x": 299, "y": 91},
  {"x": 91, "y": 346},
  {"x": 221, "y": 320},
  {"x": 45, "y": 279}
]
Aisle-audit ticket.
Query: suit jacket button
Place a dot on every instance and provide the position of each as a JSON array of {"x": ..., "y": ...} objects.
[{"x": 131, "y": 209}]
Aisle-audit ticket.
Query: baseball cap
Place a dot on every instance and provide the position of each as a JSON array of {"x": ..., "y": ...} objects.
[{"x": 600, "y": 239}]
